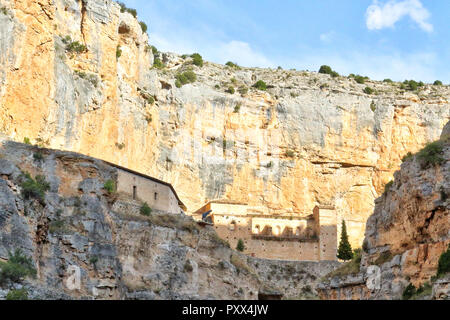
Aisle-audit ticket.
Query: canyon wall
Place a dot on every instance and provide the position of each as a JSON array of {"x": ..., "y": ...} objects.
[
  {"x": 88, "y": 243},
  {"x": 309, "y": 139},
  {"x": 406, "y": 234}
]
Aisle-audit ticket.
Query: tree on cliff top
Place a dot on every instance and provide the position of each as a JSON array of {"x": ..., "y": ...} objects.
[{"x": 345, "y": 249}]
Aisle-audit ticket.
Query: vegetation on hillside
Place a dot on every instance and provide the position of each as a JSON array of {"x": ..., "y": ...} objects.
[
  {"x": 260, "y": 85},
  {"x": 32, "y": 188},
  {"x": 197, "y": 59},
  {"x": 110, "y": 186},
  {"x": 444, "y": 263},
  {"x": 431, "y": 155},
  {"x": 73, "y": 46},
  {"x": 145, "y": 210},
  {"x": 351, "y": 267},
  {"x": 124, "y": 8},
  {"x": 327, "y": 70},
  {"x": 185, "y": 78},
  {"x": 16, "y": 268},
  {"x": 345, "y": 249},
  {"x": 240, "y": 245}
]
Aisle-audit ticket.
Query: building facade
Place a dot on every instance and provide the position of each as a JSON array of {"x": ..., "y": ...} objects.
[
  {"x": 310, "y": 237},
  {"x": 159, "y": 195}
]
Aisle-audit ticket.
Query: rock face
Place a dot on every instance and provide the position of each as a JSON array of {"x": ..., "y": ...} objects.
[
  {"x": 86, "y": 243},
  {"x": 308, "y": 140},
  {"x": 406, "y": 235}
]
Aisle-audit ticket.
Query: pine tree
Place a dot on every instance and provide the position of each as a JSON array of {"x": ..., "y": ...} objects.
[
  {"x": 240, "y": 245},
  {"x": 345, "y": 249}
]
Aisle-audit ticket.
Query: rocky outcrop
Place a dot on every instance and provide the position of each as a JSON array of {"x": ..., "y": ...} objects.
[
  {"x": 407, "y": 233},
  {"x": 309, "y": 139},
  {"x": 86, "y": 243}
]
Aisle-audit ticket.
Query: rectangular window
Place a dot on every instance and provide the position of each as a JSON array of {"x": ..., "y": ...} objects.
[
  {"x": 134, "y": 192},
  {"x": 156, "y": 196}
]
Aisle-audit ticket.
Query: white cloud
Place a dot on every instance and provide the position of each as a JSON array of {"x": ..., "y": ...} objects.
[
  {"x": 217, "y": 51},
  {"x": 327, "y": 37},
  {"x": 379, "y": 16},
  {"x": 241, "y": 53}
]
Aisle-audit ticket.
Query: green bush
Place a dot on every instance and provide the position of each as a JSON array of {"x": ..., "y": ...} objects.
[
  {"x": 38, "y": 156},
  {"x": 351, "y": 267},
  {"x": 26, "y": 140},
  {"x": 17, "y": 294},
  {"x": 243, "y": 90},
  {"x": 92, "y": 78},
  {"x": 327, "y": 70},
  {"x": 188, "y": 266},
  {"x": 16, "y": 268},
  {"x": 233, "y": 65},
  {"x": 118, "y": 52},
  {"x": 438, "y": 83},
  {"x": 230, "y": 90},
  {"x": 145, "y": 210},
  {"x": 260, "y": 85},
  {"x": 123, "y": 8},
  {"x": 345, "y": 249},
  {"x": 150, "y": 100},
  {"x": 93, "y": 260},
  {"x": 57, "y": 226},
  {"x": 444, "y": 263},
  {"x": 237, "y": 108},
  {"x": 365, "y": 246},
  {"x": 360, "y": 79},
  {"x": 197, "y": 59},
  {"x": 143, "y": 26},
  {"x": 290, "y": 153},
  {"x": 240, "y": 245},
  {"x": 185, "y": 78},
  {"x": 154, "y": 50},
  {"x": 368, "y": 90},
  {"x": 388, "y": 80},
  {"x": 411, "y": 85},
  {"x": 34, "y": 188},
  {"x": 110, "y": 186},
  {"x": 157, "y": 63},
  {"x": 407, "y": 157},
  {"x": 431, "y": 155},
  {"x": 388, "y": 186},
  {"x": 74, "y": 46},
  {"x": 373, "y": 106},
  {"x": 409, "y": 291}
]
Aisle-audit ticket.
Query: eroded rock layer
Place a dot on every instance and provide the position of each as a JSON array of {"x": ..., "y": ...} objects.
[
  {"x": 309, "y": 139},
  {"x": 88, "y": 243},
  {"x": 406, "y": 235}
]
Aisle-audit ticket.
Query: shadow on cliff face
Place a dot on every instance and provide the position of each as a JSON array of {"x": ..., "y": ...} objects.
[{"x": 407, "y": 233}]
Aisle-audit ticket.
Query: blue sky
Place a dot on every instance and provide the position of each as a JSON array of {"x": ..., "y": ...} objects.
[{"x": 397, "y": 39}]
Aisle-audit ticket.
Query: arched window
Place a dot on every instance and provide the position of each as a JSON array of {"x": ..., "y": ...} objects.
[
  {"x": 232, "y": 225},
  {"x": 277, "y": 230},
  {"x": 257, "y": 229}
]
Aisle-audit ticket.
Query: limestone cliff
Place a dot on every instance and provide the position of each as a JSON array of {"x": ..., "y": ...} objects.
[
  {"x": 77, "y": 75},
  {"x": 87, "y": 243},
  {"x": 407, "y": 233}
]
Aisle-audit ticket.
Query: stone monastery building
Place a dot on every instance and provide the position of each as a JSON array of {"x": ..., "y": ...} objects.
[{"x": 312, "y": 237}]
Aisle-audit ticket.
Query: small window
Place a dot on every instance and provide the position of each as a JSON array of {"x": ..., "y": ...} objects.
[
  {"x": 156, "y": 196},
  {"x": 134, "y": 192}
]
